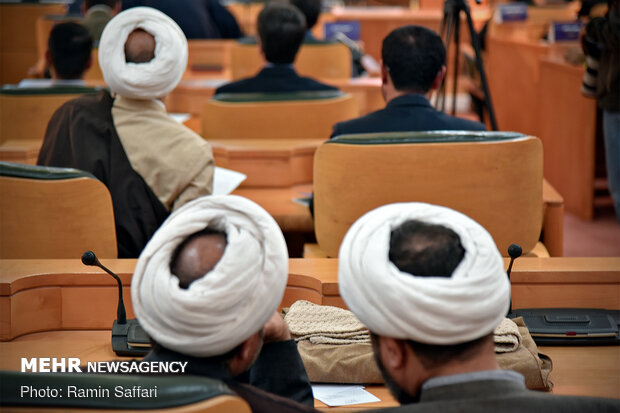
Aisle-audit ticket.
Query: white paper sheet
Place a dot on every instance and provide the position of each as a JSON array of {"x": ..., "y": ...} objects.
[
  {"x": 180, "y": 117},
  {"x": 226, "y": 180},
  {"x": 342, "y": 394}
]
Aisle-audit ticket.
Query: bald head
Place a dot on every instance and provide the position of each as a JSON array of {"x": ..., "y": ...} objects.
[
  {"x": 197, "y": 255},
  {"x": 139, "y": 47}
]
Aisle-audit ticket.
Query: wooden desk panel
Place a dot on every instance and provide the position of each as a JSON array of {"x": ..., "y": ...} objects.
[
  {"x": 567, "y": 129},
  {"x": 290, "y": 216},
  {"x": 271, "y": 163},
  {"x": 40, "y": 295}
]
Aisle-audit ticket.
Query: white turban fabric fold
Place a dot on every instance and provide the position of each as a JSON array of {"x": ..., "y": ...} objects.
[
  {"x": 149, "y": 80},
  {"x": 431, "y": 310},
  {"x": 232, "y": 301}
]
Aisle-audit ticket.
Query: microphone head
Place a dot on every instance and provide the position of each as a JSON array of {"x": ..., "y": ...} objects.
[
  {"x": 515, "y": 250},
  {"x": 89, "y": 258}
]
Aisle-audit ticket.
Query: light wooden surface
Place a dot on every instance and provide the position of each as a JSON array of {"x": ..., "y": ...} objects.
[
  {"x": 321, "y": 61},
  {"x": 536, "y": 91},
  {"x": 18, "y": 43},
  {"x": 41, "y": 295},
  {"x": 271, "y": 163},
  {"x": 568, "y": 132},
  {"x": 302, "y": 119},
  {"x": 494, "y": 183},
  {"x": 55, "y": 218},
  {"x": 279, "y": 202}
]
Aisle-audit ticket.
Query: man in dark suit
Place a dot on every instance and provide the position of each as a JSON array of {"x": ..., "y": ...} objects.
[
  {"x": 413, "y": 66},
  {"x": 281, "y": 30},
  {"x": 430, "y": 285}
]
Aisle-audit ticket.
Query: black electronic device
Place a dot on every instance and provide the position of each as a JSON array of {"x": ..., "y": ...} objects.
[
  {"x": 566, "y": 326},
  {"x": 128, "y": 337}
]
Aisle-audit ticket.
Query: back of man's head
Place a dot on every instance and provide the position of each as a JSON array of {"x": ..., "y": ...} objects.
[
  {"x": 139, "y": 47},
  {"x": 110, "y": 3},
  {"x": 311, "y": 10},
  {"x": 281, "y": 28},
  {"x": 69, "y": 48},
  {"x": 413, "y": 57}
]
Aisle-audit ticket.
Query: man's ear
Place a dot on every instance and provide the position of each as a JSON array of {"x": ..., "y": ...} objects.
[
  {"x": 247, "y": 354},
  {"x": 438, "y": 78},
  {"x": 48, "y": 58},
  {"x": 393, "y": 353},
  {"x": 384, "y": 74}
]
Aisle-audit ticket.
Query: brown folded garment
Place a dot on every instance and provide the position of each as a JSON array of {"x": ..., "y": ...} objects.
[{"x": 355, "y": 363}]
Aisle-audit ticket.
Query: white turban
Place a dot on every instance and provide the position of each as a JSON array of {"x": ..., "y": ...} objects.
[
  {"x": 232, "y": 301},
  {"x": 149, "y": 80},
  {"x": 431, "y": 310}
]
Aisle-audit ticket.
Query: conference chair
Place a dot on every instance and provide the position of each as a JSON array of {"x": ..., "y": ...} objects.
[
  {"x": 177, "y": 393},
  {"x": 298, "y": 115},
  {"x": 319, "y": 60},
  {"x": 208, "y": 54},
  {"x": 25, "y": 113},
  {"x": 493, "y": 177},
  {"x": 48, "y": 212}
]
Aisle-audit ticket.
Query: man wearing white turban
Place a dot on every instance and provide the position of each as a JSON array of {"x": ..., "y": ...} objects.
[
  {"x": 206, "y": 289},
  {"x": 429, "y": 283},
  {"x": 150, "y": 163}
]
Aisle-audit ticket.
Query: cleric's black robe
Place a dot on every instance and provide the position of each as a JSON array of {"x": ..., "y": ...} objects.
[{"x": 81, "y": 135}]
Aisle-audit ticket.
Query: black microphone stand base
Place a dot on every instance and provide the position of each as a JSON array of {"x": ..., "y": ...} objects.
[{"x": 129, "y": 339}]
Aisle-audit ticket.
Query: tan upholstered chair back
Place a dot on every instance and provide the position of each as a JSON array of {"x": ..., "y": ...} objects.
[
  {"x": 25, "y": 113},
  {"x": 494, "y": 178},
  {"x": 316, "y": 60},
  {"x": 276, "y": 116},
  {"x": 54, "y": 213}
]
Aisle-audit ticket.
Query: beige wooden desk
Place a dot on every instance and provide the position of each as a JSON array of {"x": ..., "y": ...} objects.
[
  {"x": 536, "y": 92},
  {"x": 577, "y": 282}
]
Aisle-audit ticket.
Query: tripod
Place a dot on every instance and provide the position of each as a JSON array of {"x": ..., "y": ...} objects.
[{"x": 450, "y": 28}]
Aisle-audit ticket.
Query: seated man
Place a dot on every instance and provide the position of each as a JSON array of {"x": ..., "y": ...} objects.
[
  {"x": 281, "y": 30},
  {"x": 430, "y": 285},
  {"x": 311, "y": 10},
  {"x": 132, "y": 136},
  {"x": 206, "y": 289},
  {"x": 67, "y": 56},
  {"x": 97, "y": 13},
  {"x": 413, "y": 66}
]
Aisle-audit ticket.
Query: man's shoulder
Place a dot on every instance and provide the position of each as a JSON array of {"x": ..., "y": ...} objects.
[
  {"x": 238, "y": 86},
  {"x": 371, "y": 123}
]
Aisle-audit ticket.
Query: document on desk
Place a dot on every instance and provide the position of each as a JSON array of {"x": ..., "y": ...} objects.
[
  {"x": 226, "y": 180},
  {"x": 342, "y": 394}
]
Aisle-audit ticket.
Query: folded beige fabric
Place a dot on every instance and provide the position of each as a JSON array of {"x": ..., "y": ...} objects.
[
  {"x": 322, "y": 324},
  {"x": 506, "y": 336}
]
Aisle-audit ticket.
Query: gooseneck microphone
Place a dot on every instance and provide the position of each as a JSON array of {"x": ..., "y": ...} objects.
[
  {"x": 515, "y": 251},
  {"x": 128, "y": 337},
  {"x": 89, "y": 258}
]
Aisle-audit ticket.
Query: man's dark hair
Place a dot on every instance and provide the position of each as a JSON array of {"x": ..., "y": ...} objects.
[
  {"x": 413, "y": 56},
  {"x": 425, "y": 249},
  {"x": 174, "y": 260},
  {"x": 70, "y": 46},
  {"x": 311, "y": 10},
  {"x": 90, "y": 3},
  {"x": 281, "y": 28}
]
